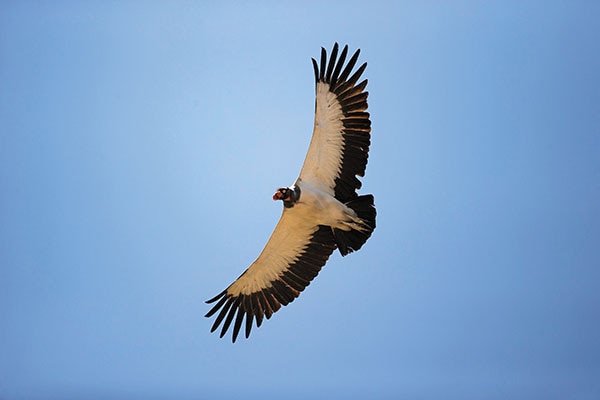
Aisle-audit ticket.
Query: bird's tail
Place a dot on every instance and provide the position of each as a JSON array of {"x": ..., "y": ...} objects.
[{"x": 349, "y": 241}]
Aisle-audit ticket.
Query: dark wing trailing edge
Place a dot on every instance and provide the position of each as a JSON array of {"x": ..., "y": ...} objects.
[
  {"x": 356, "y": 131},
  {"x": 270, "y": 294}
]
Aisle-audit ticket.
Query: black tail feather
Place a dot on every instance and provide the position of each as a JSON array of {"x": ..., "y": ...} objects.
[{"x": 349, "y": 241}]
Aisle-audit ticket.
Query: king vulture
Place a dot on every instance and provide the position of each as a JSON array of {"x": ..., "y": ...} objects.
[{"x": 321, "y": 210}]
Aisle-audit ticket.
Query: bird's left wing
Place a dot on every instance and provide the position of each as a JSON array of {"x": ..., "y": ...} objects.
[
  {"x": 339, "y": 147},
  {"x": 291, "y": 259}
]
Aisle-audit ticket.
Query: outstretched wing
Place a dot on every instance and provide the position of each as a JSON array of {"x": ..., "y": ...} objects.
[
  {"x": 291, "y": 259},
  {"x": 339, "y": 146}
]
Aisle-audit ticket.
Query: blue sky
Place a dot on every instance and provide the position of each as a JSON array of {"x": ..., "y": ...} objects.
[{"x": 141, "y": 143}]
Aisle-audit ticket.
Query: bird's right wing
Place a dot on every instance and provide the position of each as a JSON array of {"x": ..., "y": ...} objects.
[
  {"x": 291, "y": 259},
  {"x": 339, "y": 147}
]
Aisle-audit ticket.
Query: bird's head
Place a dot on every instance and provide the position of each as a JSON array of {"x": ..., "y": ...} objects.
[
  {"x": 289, "y": 195},
  {"x": 284, "y": 194}
]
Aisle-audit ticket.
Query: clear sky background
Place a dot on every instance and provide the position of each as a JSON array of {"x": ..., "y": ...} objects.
[{"x": 141, "y": 143}]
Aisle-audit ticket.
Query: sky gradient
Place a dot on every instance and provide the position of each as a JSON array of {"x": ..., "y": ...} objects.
[{"x": 141, "y": 143}]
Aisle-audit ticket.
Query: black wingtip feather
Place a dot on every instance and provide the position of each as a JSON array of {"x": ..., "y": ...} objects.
[
  {"x": 238, "y": 324},
  {"x": 349, "y": 66},
  {"x": 338, "y": 67},
  {"x": 230, "y": 315},
  {"x": 254, "y": 312},
  {"x": 217, "y": 297},
  {"x": 323, "y": 62},
  {"x": 352, "y": 80},
  {"x": 332, "y": 58},
  {"x": 216, "y": 307},
  {"x": 221, "y": 315},
  {"x": 347, "y": 90}
]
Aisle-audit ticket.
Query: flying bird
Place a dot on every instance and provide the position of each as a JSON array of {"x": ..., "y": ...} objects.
[{"x": 321, "y": 211}]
